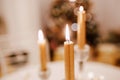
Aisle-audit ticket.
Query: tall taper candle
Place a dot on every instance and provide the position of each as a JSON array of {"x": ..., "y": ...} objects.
[
  {"x": 69, "y": 57},
  {"x": 42, "y": 48},
  {"x": 81, "y": 31}
]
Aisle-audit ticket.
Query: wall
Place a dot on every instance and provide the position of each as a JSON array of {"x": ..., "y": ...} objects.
[
  {"x": 22, "y": 20},
  {"x": 44, "y": 8},
  {"x": 107, "y": 14}
]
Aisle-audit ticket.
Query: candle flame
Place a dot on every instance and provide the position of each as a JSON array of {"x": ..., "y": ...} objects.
[
  {"x": 81, "y": 8},
  {"x": 40, "y": 36},
  {"x": 67, "y": 33}
]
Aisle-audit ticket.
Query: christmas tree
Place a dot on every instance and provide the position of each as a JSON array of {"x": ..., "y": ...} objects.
[{"x": 63, "y": 12}]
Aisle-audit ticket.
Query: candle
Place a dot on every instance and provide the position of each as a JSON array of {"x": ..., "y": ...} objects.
[
  {"x": 42, "y": 48},
  {"x": 81, "y": 31},
  {"x": 69, "y": 56},
  {"x": 0, "y": 70}
]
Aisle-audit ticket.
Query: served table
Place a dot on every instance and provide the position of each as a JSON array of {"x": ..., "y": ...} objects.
[{"x": 31, "y": 72}]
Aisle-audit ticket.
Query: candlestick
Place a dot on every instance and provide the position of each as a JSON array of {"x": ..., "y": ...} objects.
[
  {"x": 81, "y": 56},
  {"x": 81, "y": 31},
  {"x": 69, "y": 57},
  {"x": 42, "y": 48}
]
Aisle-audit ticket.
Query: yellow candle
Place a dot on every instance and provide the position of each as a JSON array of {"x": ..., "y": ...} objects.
[
  {"x": 42, "y": 48},
  {"x": 0, "y": 70},
  {"x": 81, "y": 31},
  {"x": 69, "y": 56}
]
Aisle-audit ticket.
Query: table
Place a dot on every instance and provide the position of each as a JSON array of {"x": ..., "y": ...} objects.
[{"x": 57, "y": 71}]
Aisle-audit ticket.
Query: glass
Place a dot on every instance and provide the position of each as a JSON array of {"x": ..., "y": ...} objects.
[
  {"x": 44, "y": 75},
  {"x": 81, "y": 56}
]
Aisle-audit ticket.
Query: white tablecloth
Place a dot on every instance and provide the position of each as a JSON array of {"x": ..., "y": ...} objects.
[{"x": 57, "y": 72}]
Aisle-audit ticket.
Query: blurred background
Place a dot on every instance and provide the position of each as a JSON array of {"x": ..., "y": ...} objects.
[{"x": 20, "y": 21}]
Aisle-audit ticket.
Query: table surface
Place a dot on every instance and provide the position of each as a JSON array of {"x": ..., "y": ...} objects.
[{"x": 57, "y": 71}]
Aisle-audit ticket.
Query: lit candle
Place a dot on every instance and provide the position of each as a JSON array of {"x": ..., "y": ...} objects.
[
  {"x": 42, "y": 48},
  {"x": 81, "y": 31},
  {"x": 69, "y": 56}
]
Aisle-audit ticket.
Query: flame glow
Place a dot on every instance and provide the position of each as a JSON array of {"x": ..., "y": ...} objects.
[
  {"x": 81, "y": 8},
  {"x": 67, "y": 33},
  {"x": 40, "y": 36},
  {"x": 72, "y": 0}
]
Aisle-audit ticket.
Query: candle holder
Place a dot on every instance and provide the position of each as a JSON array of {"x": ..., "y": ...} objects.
[
  {"x": 44, "y": 75},
  {"x": 81, "y": 56}
]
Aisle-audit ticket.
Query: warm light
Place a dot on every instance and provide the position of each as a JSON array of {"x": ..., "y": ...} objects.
[
  {"x": 91, "y": 75},
  {"x": 81, "y": 8},
  {"x": 72, "y": 0},
  {"x": 67, "y": 33},
  {"x": 40, "y": 36}
]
